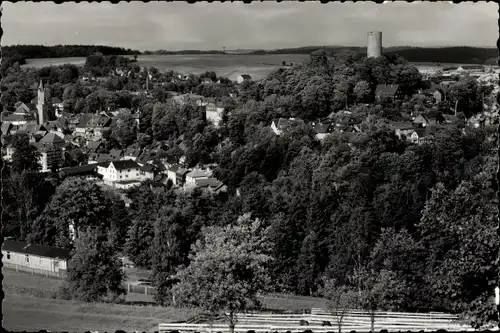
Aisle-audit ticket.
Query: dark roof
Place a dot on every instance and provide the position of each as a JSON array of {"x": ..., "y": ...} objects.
[
  {"x": 93, "y": 145},
  {"x": 116, "y": 153},
  {"x": 83, "y": 119},
  {"x": 6, "y": 126},
  {"x": 386, "y": 90},
  {"x": 52, "y": 138},
  {"x": 56, "y": 100},
  {"x": 246, "y": 76},
  {"x": 133, "y": 152},
  {"x": 321, "y": 128},
  {"x": 148, "y": 167},
  {"x": 404, "y": 125},
  {"x": 35, "y": 249},
  {"x": 79, "y": 170},
  {"x": 125, "y": 164}
]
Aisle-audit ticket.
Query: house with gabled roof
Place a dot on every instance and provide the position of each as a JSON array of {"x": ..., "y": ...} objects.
[
  {"x": 131, "y": 154},
  {"x": 177, "y": 174},
  {"x": 116, "y": 153},
  {"x": 422, "y": 135},
  {"x": 278, "y": 125},
  {"x": 322, "y": 129},
  {"x": 81, "y": 125},
  {"x": 243, "y": 78},
  {"x": 120, "y": 174},
  {"x": 53, "y": 139},
  {"x": 404, "y": 129},
  {"x": 388, "y": 91}
]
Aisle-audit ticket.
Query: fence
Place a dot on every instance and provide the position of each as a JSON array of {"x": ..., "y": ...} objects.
[
  {"x": 141, "y": 289},
  {"x": 34, "y": 271},
  {"x": 321, "y": 321}
]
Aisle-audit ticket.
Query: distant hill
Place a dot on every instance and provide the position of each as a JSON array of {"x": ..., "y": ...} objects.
[
  {"x": 62, "y": 51},
  {"x": 456, "y": 54}
]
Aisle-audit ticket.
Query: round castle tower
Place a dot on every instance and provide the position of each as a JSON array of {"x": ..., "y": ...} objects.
[{"x": 374, "y": 48}]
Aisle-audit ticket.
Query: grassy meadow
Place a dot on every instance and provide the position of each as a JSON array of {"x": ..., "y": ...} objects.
[{"x": 32, "y": 296}]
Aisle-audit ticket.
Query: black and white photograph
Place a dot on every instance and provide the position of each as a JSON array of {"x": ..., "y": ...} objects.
[{"x": 263, "y": 167}]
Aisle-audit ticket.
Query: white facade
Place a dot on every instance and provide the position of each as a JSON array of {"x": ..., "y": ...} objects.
[
  {"x": 33, "y": 261},
  {"x": 193, "y": 176},
  {"x": 240, "y": 79},
  {"x": 214, "y": 114},
  {"x": 374, "y": 49}
]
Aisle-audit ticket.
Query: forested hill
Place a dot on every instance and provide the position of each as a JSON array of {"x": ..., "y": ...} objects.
[
  {"x": 63, "y": 51},
  {"x": 456, "y": 54}
]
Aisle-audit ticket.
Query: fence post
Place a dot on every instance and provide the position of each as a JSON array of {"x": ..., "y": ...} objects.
[
  {"x": 146, "y": 290},
  {"x": 128, "y": 287}
]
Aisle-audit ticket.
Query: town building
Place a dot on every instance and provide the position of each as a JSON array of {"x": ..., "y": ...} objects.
[
  {"x": 120, "y": 174},
  {"x": 214, "y": 113},
  {"x": 278, "y": 125},
  {"x": 45, "y": 260},
  {"x": 388, "y": 91},
  {"x": 177, "y": 174},
  {"x": 243, "y": 78}
]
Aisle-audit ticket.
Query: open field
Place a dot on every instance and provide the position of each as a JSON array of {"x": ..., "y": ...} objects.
[
  {"x": 258, "y": 66},
  {"x": 31, "y": 296},
  {"x": 28, "y": 296}
]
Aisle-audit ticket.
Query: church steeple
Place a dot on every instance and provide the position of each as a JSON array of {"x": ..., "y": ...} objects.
[{"x": 41, "y": 103}]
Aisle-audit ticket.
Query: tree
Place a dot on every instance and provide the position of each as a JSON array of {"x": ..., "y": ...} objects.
[
  {"x": 167, "y": 251},
  {"x": 458, "y": 227},
  {"x": 78, "y": 201},
  {"x": 26, "y": 157},
  {"x": 227, "y": 270},
  {"x": 96, "y": 272},
  {"x": 362, "y": 91},
  {"x": 140, "y": 236},
  {"x": 125, "y": 131},
  {"x": 340, "y": 300}
]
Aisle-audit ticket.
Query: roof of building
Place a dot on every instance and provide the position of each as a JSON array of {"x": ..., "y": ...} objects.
[
  {"x": 116, "y": 153},
  {"x": 132, "y": 152},
  {"x": 406, "y": 125},
  {"x": 246, "y": 76},
  {"x": 35, "y": 249},
  {"x": 78, "y": 170},
  {"x": 210, "y": 182},
  {"x": 148, "y": 167},
  {"x": 51, "y": 138},
  {"x": 93, "y": 145},
  {"x": 321, "y": 128},
  {"x": 125, "y": 164},
  {"x": 197, "y": 174},
  {"x": 386, "y": 89},
  {"x": 83, "y": 119},
  {"x": 56, "y": 100}
]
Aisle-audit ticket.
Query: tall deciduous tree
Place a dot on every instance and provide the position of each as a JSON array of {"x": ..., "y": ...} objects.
[
  {"x": 95, "y": 273},
  {"x": 459, "y": 229},
  {"x": 125, "y": 131},
  {"x": 77, "y": 201},
  {"x": 26, "y": 157},
  {"x": 340, "y": 300},
  {"x": 228, "y": 269}
]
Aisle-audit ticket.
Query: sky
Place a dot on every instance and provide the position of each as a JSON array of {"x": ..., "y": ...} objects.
[{"x": 259, "y": 25}]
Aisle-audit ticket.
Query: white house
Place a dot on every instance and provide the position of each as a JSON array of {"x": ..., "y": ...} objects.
[
  {"x": 194, "y": 176},
  {"x": 243, "y": 78},
  {"x": 214, "y": 113},
  {"x": 28, "y": 257},
  {"x": 120, "y": 174}
]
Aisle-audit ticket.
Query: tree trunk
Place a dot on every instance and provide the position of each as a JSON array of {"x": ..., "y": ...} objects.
[{"x": 231, "y": 328}]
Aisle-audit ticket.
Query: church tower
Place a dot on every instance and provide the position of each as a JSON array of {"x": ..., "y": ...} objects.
[{"x": 41, "y": 103}]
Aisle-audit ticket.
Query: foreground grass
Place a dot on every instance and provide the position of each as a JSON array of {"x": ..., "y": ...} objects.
[{"x": 29, "y": 304}]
